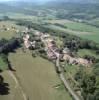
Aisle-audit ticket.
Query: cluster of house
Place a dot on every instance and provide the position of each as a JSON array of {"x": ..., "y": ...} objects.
[
  {"x": 27, "y": 42},
  {"x": 50, "y": 46},
  {"x": 53, "y": 51},
  {"x": 74, "y": 60}
]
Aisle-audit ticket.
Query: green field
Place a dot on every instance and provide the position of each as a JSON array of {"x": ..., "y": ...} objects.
[
  {"x": 3, "y": 65},
  {"x": 76, "y": 26},
  {"x": 7, "y": 34},
  {"x": 38, "y": 77},
  {"x": 94, "y": 21},
  {"x": 79, "y": 29},
  {"x": 93, "y": 31},
  {"x": 82, "y": 27},
  {"x": 14, "y": 92},
  {"x": 83, "y": 52}
]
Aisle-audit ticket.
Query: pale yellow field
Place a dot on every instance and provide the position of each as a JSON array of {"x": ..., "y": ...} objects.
[
  {"x": 38, "y": 77},
  {"x": 14, "y": 92}
]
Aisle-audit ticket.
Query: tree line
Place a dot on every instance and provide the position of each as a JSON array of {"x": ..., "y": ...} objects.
[
  {"x": 7, "y": 46},
  {"x": 72, "y": 41}
]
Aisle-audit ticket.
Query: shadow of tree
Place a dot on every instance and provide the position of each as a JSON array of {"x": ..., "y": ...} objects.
[
  {"x": 4, "y": 87},
  {"x": 10, "y": 66}
]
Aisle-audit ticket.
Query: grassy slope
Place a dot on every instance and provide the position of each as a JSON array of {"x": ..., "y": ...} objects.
[
  {"x": 94, "y": 32},
  {"x": 76, "y": 26},
  {"x": 82, "y": 27},
  {"x": 10, "y": 33},
  {"x": 79, "y": 29},
  {"x": 83, "y": 52},
  {"x": 3, "y": 65},
  {"x": 14, "y": 93},
  {"x": 6, "y": 34},
  {"x": 38, "y": 77},
  {"x": 94, "y": 21}
]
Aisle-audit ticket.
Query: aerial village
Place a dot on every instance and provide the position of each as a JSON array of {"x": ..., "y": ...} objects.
[
  {"x": 51, "y": 48},
  {"x": 53, "y": 51}
]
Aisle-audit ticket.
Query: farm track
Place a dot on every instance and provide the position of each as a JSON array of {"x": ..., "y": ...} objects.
[{"x": 18, "y": 84}]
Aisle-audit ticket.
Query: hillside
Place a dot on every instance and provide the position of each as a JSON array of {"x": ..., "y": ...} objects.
[
  {"x": 49, "y": 50},
  {"x": 65, "y": 10}
]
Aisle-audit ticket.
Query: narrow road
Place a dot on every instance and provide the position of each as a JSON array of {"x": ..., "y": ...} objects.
[
  {"x": 63, "y": 79},
  {"x": 68, "y": 87}
]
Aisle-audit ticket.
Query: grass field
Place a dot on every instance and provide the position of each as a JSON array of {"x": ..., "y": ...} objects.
[
  {"x": 7, "y": 34},
  {"x": 94, "y": 32},
  {"x": 93, "y": 37},
  {"x": 83, "y": 52},
  {"x": 82, "y": 27},
  {"x": 62, "y": 21},
  {"x": 38, "y": 77},
  {"x": 4, "y": 33},
  {"x": 13, "y": 92},
  {"x": 94, "y": 21},
  {"x": 3, "y": 65},
  {"x": 79, "y": 29},
  {"x": 22, "y": 16}
]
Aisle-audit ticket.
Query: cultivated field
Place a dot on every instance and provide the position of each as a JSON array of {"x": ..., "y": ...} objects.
[
  {"x": 7, "y": 34},
  {"x": 38, "y": 77},
  {"x": 83, "y": 52},
  {"x": 3, "y": 65},
  {"x": 14, "y": 92},
  {"x": 21, "y": 16},
  {"x": 79, "y": 29},
  {"x": 76, "y": 26},
  {"x": 62, "y": 21}
]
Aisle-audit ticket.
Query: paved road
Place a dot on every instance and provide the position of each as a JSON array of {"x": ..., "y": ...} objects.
[{"x": 65, "y": 81}]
